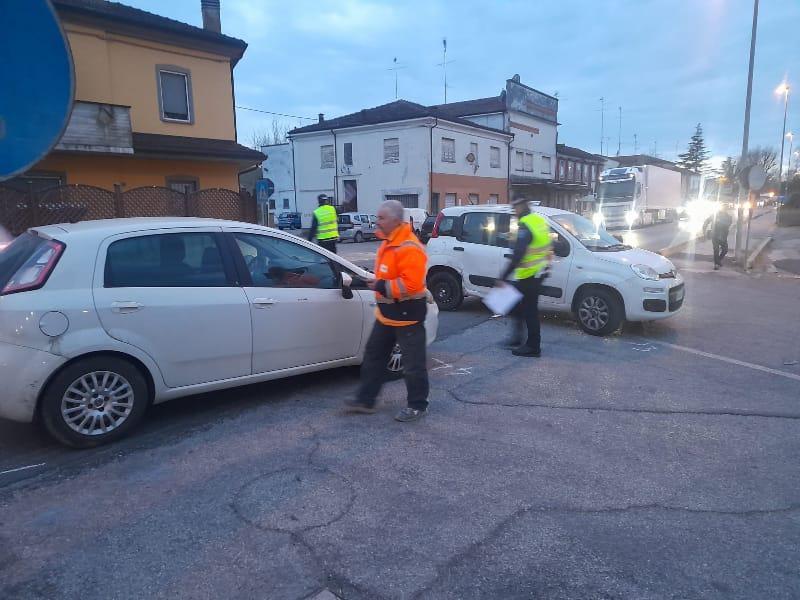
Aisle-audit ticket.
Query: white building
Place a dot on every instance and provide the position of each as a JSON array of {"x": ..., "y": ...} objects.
[
  {"x": 403, "y": 151},
  {"x": 532, "y": 117},
  {"x": 278, "y": 167}
]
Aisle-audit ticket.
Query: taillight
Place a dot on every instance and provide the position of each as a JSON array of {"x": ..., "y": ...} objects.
[
  {"x": 435, "y": 231},
  {"x": 35, "y": 271}
]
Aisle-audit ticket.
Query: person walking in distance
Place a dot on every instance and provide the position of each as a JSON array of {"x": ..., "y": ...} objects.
[
  {"x": 401, "y": 296},
  {"x": 531, "y": 257},
  {"x": 324, "y": 225},
  {"x": 720, "y": 227}
]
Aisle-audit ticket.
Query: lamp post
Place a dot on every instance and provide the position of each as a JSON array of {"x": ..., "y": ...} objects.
[
  {"x": 789, "y": 135},
  {"x": 784, "y": 90}
]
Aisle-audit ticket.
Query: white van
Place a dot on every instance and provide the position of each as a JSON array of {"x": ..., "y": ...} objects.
[
  {"x": 593, "y": 275},
  {"x": 416, "y": 217}
]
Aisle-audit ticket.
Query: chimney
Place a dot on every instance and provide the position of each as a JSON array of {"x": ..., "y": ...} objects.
[
  {"x": 211, "y": 19},
  {"x": 321, "y": 117}
]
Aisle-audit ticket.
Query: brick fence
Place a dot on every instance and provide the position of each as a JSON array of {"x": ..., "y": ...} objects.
[{"x": 22, "y": 209}]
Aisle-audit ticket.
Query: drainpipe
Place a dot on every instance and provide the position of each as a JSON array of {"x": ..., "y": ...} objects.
[
  {"x": 430, "y": 170},
  {"x": 336, "y": 171},
  {"x": 294, "y": 182},
  {"x": 508, "y": 173}
]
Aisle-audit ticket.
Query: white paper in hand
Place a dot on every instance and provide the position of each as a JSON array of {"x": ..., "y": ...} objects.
[{"x": 502, "y": 299}]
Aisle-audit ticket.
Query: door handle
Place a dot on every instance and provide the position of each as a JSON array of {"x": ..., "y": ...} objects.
[
  {"x": 508, "y": 255},
  {"x": 302, "y": 299},
  {"x": 458, "y": 248},
  {"x": 263, "y": 302},
  {"x": 125, "y": 307}
]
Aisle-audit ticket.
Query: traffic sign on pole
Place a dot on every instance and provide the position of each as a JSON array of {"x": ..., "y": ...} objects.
[{"x": 38, "y": 84}]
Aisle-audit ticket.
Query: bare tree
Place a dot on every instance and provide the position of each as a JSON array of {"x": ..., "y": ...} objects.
[{"x": 258, "y": 138}]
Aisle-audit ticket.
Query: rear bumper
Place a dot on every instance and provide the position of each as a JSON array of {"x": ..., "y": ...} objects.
[{"x": 23, "y": 372}]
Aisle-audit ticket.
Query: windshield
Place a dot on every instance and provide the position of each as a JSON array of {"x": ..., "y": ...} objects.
[
  {"x": 593, "y": 238},
  {"x": 616, "y": 189}
]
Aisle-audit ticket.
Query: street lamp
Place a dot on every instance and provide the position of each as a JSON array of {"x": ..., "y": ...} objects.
[
  {"x": 789, "y": 135},
  {"x": 783, "y": 89}
]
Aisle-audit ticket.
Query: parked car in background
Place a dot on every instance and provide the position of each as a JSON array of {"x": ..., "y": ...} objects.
[
  {"x": 100, "y": 319},
  {"x": 594, "y": 276},
  {"x": 416, "y": 217},
  {"x": 427, "y": 229},
  {"x": 289, "y": 220},
  {"x": 357, "y": 227}
]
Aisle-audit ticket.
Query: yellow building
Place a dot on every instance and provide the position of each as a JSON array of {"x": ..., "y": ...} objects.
[{"x": 154, "y": 102}]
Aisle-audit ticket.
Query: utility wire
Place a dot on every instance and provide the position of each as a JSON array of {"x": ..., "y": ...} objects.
[{"x": 269, "y": 112}]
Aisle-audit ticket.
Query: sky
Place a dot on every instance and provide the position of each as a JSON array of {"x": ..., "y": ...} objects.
[{"x": 669, "y": 64}]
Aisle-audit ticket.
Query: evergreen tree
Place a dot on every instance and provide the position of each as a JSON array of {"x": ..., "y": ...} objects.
[{"x": 696, "y": 156}]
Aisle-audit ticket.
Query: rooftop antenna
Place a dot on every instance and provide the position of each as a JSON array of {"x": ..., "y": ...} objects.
[
  {"x": 602, "y": 123},
  {"x": 396, "y": 68},
  {"x": 444, "y": 64},
  {"x": 619, "y": 133}
]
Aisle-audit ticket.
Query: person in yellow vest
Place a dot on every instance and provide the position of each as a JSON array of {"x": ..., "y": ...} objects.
[
  {"x": 528, "y": 265},
  {"x": 325, "y": 224},
  {"x": 401, "y": 306}
]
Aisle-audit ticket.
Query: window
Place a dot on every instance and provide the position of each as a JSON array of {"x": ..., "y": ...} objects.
[
  {"x": 473, "y": 148},
  {"x": 391, "y": 150},
  {"x": 488, "y": 229},
  {"x": 571, "y": 171},
  {"x": 518, "y": 158},
  {"x": 562, "y": 170},
  {"x": 348, "y": 154},
  {"x": 165, "y": 260},
  {"x": 285, "y": 203},
  {"x": 448, "y": 150},
  {"x": 273, "y": 262},
  {"x": 182, "y": 184},
  {"x": 529, "y": 162},
  {"x": 434, "y": 203},
  {"x": 494, "y": 199},
  {"x": 407, "y": 200},
  {"x": 174, "y": 94},
  {"x": 494, "y": 157},
  {"x": 546, "y": 165},
  {"x": 583, "y": 172},
  {"x": 474, "y": 199},
  {"x": 326, "y": 157},
  {"x": 449, "y": 200}
]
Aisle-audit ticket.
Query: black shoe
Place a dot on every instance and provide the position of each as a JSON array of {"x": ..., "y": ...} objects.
[
  {"x": 716, "y": 267},
  {"x": 354, "y": 406},
  {"x": 526, "y": 351},
  {"x": 407, "y": 415}
]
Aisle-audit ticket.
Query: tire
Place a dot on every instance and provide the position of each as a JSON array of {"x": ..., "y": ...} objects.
[
  {"x": 358, "y": 238},
  {"x": 394, "y": 365},
  {"x": 71, "y": 389},
  {"x": 446, "y": 289},
  {"x": 599, "y": 312}
]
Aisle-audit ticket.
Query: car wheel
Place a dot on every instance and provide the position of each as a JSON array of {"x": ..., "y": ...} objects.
[
  {"x": 394, "y": 366},
  {"x": 599, "y": 312},
  {"x": 94, "y": 401},
  {"x": 358, "y": 237},
  {"x": 446, "y": 290}
]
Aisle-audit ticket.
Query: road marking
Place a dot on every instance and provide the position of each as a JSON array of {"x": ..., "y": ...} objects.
[
  {"x": 732, "y": 361},
  {"x": 442, "y": 365},
  {"x": 22, "y": 469}
]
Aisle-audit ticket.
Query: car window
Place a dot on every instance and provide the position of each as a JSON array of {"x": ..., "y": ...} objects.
[
  {"x": 273, "y": 262},
  {"x": 344, "y": 220},
  {"x": 488, "y": 229},
  {"x": 364, "y": 219},
  {"x": 446, "y": 226},
  {"x": 165, "y": 260}
]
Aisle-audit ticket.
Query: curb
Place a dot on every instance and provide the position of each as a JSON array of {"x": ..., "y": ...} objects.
[
  {"x": 670, "y": 250},
  {"x": 757, "y": 252}
]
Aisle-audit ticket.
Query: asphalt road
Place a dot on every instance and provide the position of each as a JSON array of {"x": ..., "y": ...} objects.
[{"x": 657, "y": 463}]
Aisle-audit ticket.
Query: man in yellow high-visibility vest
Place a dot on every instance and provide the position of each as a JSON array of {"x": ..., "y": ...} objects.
[
  {"x": 532, "y": 256},
  {"x": 325, "y": 224}
]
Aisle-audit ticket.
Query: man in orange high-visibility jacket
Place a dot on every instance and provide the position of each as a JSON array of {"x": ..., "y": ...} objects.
[{"x": 401, "y": 298}]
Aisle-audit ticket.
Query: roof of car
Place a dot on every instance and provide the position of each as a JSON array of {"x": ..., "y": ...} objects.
[
  {"x": 503, "y": 208},
  {"x": 116, "y": 226}
]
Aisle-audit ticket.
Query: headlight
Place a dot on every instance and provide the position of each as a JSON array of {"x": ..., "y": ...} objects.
[
  {"x": 645, "y": 272},
  {"x": 598, "y": 219},
  {"x": 630, "y": 217}
]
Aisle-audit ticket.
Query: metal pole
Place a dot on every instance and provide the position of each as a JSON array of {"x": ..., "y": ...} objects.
[
  {"x": 746, "y": 134},
  {"x": 602, "y": 122},
  {"x": 750, "y": 207}
]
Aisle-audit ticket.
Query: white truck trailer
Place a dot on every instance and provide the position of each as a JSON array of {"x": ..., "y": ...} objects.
[{"x": 637, "y": 196}]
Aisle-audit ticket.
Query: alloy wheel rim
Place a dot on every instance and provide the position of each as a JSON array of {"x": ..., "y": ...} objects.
[
  {"x": 97, "y": 403},
  {"x": 594, "y": 313},
  {"x": 443, "y": 292}
]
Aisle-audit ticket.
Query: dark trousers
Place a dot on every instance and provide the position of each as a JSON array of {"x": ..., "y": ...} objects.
[
  {"x": 720, "y": 249},
  {"x": 526, "y": 313},
  {"x": 329, "y": 245},
  {"x": 415, "y": 368}
]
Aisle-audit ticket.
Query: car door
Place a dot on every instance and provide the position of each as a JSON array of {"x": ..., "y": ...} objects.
[
  {"x": 367, "y": 227},
  {"x": 481, "y": 248},
  {"x": 173, "y": 294},
  {"x": 554, "y": 287},
  {"x": 298, "y": 312}
]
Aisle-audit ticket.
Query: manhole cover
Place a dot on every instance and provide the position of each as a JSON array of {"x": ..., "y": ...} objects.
[{"x": 294, "y": 499}]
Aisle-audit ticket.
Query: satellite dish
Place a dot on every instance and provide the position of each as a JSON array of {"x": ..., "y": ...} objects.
[{"x": 470, "y": 158}]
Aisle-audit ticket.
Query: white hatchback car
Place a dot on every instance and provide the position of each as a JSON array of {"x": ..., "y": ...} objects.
[
  {"x": 98, "y": 319},
  {"x": 593, "y": 275}
]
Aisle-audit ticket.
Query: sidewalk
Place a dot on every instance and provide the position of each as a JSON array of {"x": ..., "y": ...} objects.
[{"x": 783, "y": 254}]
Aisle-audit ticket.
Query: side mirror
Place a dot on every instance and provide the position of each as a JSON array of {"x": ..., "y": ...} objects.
[
  {"x": 347, "y": 281},
  {"x": 561, "y": 248}
]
